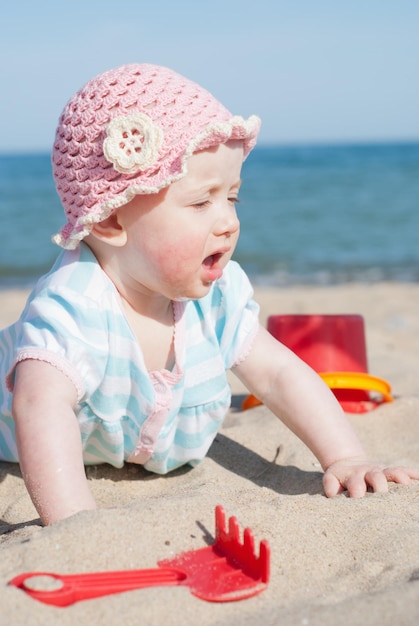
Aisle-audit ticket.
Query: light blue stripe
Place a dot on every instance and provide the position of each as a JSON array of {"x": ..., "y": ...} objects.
[{"x": 8, "y": 451}]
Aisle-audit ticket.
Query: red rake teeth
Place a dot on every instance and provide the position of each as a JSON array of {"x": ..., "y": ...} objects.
[{"x": 227, "y": 542}]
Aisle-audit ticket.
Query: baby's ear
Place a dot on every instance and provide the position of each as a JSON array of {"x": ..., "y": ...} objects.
[{"x": 110, "y": 231}]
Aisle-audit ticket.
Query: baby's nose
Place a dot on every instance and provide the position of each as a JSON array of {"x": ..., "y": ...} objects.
[{"x": 229, "y": 223}]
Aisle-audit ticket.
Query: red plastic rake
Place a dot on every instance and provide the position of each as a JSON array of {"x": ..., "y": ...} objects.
[{"x": 226, "y": 571}]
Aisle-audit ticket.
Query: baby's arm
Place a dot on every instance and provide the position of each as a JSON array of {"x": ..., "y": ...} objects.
[
  {"x": 49, "y": 442},
  {"x": 298, "y": 396}
]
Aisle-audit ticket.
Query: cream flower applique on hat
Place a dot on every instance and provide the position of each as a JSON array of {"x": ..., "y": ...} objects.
[{"x": 133, "y": 142}]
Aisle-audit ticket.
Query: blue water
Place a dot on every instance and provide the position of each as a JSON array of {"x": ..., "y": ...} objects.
[{"x": 317, "y": 214}]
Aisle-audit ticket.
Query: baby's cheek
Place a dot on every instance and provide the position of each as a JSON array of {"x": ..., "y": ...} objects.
[
  {"x": 188, "y": 252},
  {"x": 179, "y": 258}
]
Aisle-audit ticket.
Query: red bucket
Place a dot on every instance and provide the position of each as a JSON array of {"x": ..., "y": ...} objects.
[
  {"x": 334, "y": 346},
  {"x": 328, "y": 343}
]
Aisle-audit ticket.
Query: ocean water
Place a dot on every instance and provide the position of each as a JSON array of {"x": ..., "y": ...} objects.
[{"x": 309, "y": 215}]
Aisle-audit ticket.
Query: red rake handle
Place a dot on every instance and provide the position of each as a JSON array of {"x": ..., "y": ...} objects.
[{"x": 68, "y": 589}]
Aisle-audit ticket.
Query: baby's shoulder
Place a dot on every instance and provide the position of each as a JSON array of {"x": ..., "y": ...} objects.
[
  {"x": 76, "y": 287},
  {"x": 228, "y": 295},
  {"x": 77, "y": 274},
  {"x": 234, "y": 285},
  {"x": 233, "y": 280}
]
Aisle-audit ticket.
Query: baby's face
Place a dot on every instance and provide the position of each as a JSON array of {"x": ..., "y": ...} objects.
[{"x": 180, "y": 240}]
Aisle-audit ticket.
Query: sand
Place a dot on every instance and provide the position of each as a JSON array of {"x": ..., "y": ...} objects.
[{"x": 334, "y": 561}]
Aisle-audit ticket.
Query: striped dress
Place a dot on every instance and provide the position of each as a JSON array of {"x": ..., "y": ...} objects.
[{"x": 74, "y": 320}]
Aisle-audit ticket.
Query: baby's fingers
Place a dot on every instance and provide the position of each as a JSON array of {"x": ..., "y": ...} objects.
[
  {"x": 354, "y": 484},
  {"x": 358, "y": 478},
  {"x": 331, "y": 485},
  {"x": 377, "y": 480},
  {"x": 401, "y": 475}
]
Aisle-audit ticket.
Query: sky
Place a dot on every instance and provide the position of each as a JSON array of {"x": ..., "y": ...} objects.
[{"x": 315, "y": 71}]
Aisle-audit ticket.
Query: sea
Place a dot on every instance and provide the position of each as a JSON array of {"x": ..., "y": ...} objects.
[{"x": 310, "y": 214}]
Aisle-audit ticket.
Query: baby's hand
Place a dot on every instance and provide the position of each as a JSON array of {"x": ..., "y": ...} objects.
[{"x": 357, "y": 474}]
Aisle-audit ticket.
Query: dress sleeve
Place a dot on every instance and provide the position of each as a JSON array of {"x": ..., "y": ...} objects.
[
  {"x": 237, "y": 315},
  {"x": 66, "y": 330}
]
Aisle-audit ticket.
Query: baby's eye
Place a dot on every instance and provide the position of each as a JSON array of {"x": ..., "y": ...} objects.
[
  {"x": 202, "y": 205},
  {"x": 234, "y": 199}
]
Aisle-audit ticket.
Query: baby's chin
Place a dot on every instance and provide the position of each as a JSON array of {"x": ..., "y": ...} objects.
[{"x": 205, "y": 289}]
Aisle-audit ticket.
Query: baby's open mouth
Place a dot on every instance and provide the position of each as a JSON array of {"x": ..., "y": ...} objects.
[
  {"x": 212, "y": 267},
  {"x": 211, "y": 260}
]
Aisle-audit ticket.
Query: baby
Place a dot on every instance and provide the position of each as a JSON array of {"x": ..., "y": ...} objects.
[{"x": 122, "y": 350}]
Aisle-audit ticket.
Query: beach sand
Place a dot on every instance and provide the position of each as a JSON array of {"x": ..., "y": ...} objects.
[{"x": 334, "y": 561}]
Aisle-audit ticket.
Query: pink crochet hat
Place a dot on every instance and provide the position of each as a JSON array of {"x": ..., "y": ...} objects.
[{"x": 130, "y": 131}]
